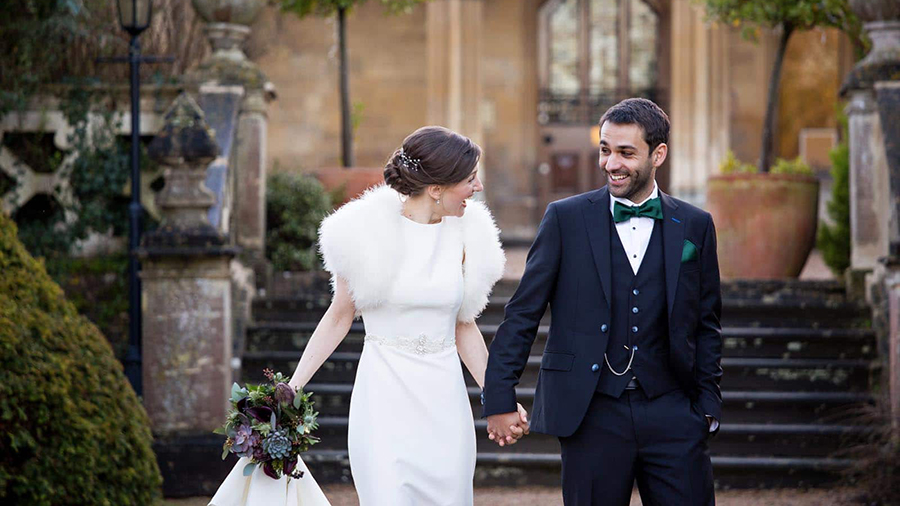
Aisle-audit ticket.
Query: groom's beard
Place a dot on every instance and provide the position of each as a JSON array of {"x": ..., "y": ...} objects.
[{"x": 639, "y": 181}]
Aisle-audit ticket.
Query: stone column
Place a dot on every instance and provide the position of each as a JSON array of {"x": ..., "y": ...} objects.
[
  {"x": 875, "y": 82},
  {"x": 888, "y": 99},
  {"x": 868, "y": 192},
  {"x": 454, "y": 60},
  {"x": 701, "y": 100},
  {"x": 186, "y": 276},
  {"x": 229, "y": 72}
]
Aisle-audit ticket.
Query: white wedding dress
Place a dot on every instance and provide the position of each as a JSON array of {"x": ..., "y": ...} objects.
[
  {"x": 260, "y": 490},
  {"x": 411, "y": 433}
]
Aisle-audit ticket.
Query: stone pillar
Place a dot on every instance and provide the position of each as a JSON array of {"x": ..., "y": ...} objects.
[
  {"x": 454, "y": 60},
  {"x": 888, "y": 99},
  {"x": 700, "y": 98},
  {"x": 868, "y": 190},
  {"x": 250, "y": 178},
  {"x": 875, "y": 81},
  {"x": 187, "y": 284},
  {"x": 229, "y": 71}
]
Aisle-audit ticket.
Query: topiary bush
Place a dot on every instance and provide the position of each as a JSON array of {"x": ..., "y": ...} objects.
[
  {"x": 295, "y": 206},
  {"x": 834, "y": 240},
  {"x": 72, "y": 431}
]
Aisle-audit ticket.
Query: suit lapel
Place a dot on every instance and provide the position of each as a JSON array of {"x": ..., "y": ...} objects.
[
  {"x": 673, "y": 241},
  {"x": 596, "y": 218}
]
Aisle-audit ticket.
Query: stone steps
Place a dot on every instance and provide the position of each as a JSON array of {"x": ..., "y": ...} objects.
[
  {"x": 736, "y": 311},
  {"x": 501, "y": 468},
  {"x": 760, "y": 440},
  {"x": 740, "y": 407},
  {"x": 200, "y": 456},
  {"x": 798, "y": 361},
  {"x": 776, "y": 374},
  {"x": 750, "y": 342}
]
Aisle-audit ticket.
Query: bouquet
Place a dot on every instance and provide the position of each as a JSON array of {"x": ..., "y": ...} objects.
[{"x": 270, "y": 424}]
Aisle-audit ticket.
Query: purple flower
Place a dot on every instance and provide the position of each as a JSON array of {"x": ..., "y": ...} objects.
[
  {"x": 259, "y": 454},
  {"x": 261, "y": 413},
  {"x": 244, "y": 441},
  {"x": 284, "y": 393}
]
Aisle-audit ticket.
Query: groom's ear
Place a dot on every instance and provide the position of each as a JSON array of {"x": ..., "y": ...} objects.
[{"x": 658, "y": 156}]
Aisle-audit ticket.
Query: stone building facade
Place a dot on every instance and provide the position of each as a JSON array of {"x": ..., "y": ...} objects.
[{"x": 512, "y": 75}]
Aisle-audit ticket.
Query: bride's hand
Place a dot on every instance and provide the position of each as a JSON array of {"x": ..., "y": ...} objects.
[{"x": 523, "y": 417}]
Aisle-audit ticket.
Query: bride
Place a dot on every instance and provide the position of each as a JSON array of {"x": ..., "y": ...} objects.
[{"x": 417, "y": 260}]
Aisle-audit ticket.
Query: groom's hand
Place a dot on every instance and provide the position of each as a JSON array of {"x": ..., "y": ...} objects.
[{"x": 506, "y": 428}]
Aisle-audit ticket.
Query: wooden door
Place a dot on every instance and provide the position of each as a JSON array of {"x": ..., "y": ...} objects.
[{"x": 592, "y": 54}]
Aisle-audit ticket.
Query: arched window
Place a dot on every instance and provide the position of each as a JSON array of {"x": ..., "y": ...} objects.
[{"x": 594, "y": 53}]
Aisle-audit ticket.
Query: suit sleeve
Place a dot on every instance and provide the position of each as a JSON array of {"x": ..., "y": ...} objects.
[
  {"x": 511, "y": 346},
  {"x": 708, "y": 368}
]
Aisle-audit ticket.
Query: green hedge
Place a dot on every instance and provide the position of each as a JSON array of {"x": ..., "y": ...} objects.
[
  {"x": 295, "y": 206},
  {"x": 72, "y": 430}
]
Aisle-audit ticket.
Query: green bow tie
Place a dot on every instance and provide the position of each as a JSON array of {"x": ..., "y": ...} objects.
[{"x": 650, "y": 209}]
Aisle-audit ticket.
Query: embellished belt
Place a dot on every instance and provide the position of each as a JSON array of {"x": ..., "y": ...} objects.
[{"x": 420, "y": 345}]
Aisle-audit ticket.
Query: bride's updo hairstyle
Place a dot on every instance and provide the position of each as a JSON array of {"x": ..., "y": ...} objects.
[{"x": 431, "y": 155}]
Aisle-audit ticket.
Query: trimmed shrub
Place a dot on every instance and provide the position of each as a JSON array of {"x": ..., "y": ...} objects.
[
  {"x": 72, "y": 431},
  {"x": 295, "y": 206},
  {"x": 834, "y": 240}
]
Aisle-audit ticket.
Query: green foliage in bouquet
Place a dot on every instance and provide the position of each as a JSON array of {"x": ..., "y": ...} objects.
[
  {"x": 295, "y": 206},
  {"x": 270, "y": 424},
  {"x": 72, "y": 431}
]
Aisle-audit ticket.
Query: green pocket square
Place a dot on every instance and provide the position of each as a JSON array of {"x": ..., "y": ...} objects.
[{"x": 688, "y": 251}]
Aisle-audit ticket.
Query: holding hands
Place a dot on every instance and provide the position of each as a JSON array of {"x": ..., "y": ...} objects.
[{"x": 507, "y": 428}]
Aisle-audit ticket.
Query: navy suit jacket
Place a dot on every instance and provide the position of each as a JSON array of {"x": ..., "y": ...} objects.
[{"x": 569, "y": 268}]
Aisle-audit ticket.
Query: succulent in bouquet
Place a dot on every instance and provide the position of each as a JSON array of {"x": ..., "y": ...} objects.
[{"x": 271, "y": 424}]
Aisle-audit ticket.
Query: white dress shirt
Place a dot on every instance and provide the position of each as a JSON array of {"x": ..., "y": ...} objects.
[
  {"x": 635, "y": 235},
  {"x": 635, "y": 232}
]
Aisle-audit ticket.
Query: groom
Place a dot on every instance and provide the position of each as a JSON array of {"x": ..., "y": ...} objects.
[{"x": 629, "y": 378}]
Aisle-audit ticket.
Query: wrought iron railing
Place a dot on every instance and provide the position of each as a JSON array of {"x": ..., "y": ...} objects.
[{"x": 586, "y": 109}]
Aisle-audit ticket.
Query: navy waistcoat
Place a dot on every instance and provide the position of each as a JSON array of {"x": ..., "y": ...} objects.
[{"x": 639, "y": 320}]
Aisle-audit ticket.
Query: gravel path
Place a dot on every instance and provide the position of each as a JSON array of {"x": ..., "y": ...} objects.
[{"x": 344, "y": 495}]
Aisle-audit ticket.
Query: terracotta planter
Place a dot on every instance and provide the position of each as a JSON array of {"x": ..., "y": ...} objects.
[
  {"x": 351, "y": 182},
  {"x": 765, "y": 223}
]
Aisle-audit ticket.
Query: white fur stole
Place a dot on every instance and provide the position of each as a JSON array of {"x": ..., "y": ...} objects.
[{"x": 359, "y": 243}]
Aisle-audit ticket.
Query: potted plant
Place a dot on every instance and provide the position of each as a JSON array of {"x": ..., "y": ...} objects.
[
  {"x": 766, "y": 214},
  {"x": 765, "y": 222}
]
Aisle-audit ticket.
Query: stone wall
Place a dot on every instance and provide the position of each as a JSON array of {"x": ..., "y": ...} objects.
[
  {"x": 509, "y": 112},
  {"x": 718, "y": 92},
  {"x": 814, "y": 66},
  {"x": 388, "y": 71}
]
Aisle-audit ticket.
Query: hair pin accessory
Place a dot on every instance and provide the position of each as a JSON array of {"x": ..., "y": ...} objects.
[{"x": 409, "y": 162}]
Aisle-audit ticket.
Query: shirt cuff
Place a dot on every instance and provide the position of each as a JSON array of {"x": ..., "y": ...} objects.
[{"x": 713, "y": 423}]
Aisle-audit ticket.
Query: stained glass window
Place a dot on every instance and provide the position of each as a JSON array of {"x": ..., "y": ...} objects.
[
  {"x": 642, "y": 70},
  {"x": 564, "y": 48},
  {"x": 604, "y": 47}
]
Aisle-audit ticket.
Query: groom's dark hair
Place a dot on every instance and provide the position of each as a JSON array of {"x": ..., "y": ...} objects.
[{"x": 643, "y": 113}]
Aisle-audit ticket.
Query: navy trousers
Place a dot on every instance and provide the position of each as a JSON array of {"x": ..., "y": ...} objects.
[{"x": 661, "y": 443}]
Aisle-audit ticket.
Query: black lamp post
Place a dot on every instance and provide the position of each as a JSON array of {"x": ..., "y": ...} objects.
[{"x": 134, "y": 16}]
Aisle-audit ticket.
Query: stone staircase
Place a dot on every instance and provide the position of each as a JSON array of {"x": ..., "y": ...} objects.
[{"x": 798, "y": 357}]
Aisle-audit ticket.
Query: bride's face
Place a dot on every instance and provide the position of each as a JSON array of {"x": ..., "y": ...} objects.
[{"x": 453, "y": 200}]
